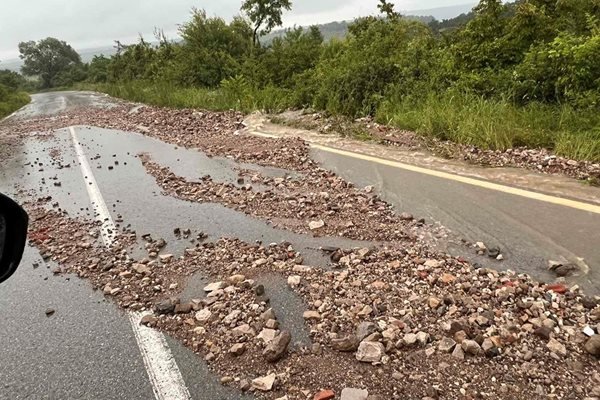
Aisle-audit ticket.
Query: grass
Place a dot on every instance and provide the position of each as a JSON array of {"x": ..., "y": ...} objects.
[
  {"x": 240, "y": 98},
  {"x": 12, "y": 102},
  {"x": 498, "y": 124},
  {"x": 458, "y": 117}
]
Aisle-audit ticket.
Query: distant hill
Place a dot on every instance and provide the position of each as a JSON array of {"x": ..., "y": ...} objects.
[{"x": 440, "y": 19}]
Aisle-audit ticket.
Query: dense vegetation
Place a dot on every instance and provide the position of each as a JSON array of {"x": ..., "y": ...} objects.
[
  {"x": 11, "y": 96},
  {"x": 519, "y": 74}
]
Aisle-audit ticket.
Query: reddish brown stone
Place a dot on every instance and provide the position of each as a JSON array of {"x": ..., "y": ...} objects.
[{"x": 324, "y": 395}]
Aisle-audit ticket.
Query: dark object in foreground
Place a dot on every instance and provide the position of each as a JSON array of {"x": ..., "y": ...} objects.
[{"x": 13, "y": 233}]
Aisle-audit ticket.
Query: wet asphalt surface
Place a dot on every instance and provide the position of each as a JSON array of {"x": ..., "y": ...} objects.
[{"x": 87, "y": 350}]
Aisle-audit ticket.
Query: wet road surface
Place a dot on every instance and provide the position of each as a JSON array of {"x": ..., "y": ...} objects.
[{"x": 88, "y": 348}]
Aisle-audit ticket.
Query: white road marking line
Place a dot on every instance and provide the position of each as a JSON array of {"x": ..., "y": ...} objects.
[
  {"x": 592, "y": 208},
  {"x": 163, "y": 372}
]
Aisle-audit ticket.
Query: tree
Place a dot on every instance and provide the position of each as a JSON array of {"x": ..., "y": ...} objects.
[
  {"x": 265, "y": 13},
  {"x": 387, "y": 9},
  {"x": 47, "y": 58}
]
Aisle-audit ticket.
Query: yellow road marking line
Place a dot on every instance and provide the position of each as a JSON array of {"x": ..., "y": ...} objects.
[{"x": 457, "y": 178}]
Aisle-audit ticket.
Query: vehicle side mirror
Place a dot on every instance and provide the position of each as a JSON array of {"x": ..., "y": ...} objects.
[{"x": 13, "y": 234}]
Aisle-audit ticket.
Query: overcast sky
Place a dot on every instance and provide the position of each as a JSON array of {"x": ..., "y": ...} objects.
[{"x": 97, "y": 23}]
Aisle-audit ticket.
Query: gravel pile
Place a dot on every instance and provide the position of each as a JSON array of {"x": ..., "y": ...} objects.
[{"x": 394, "y": 321}]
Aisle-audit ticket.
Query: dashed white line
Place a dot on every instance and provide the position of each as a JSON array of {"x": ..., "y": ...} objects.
[{"x": 163, "y": 372}]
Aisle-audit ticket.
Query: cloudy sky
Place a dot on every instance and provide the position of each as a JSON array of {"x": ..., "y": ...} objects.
[{"x": 96, "y": 23}]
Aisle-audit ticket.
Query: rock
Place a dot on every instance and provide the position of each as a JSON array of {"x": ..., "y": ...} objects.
[
  {"x": 259, "y": 290},
  {"x": 592, "y": 346},
  {"x": 243, "y": 330},
  {"x": 489, "y": 348},
  {"x": 237, "y": 349},
  {"x": 183, "y": 308},
  {"x": 365, "y": 329},
  {"x": 422, "y": 338},
  {"x": 458, "y": 353},
  {"x": 556, "y": 347},
  {"x": 214, "y": 286},
  {"x": 267, "y": 335},
  {"x": 226, "y": 379},
  {"x": 272, "y": 324},
  {"x": 433, "y": 302},
  {"x": 346, "y": 344},
  {"x": 164, "y": 307},
  {"x": 267, "y": 315},
  {"x": 149, "y": 320},
  {"x": 324, "y": 395},
  {"x": 446, "y": 345},
  {"x": 311, "y": 315},
  {"x": 354, "y": 394},
  {"x": 236, "y": 279},
  {"x": 409, "y": 339},
  {"x": 203, "y": 316},
  {"x": 314, "y": 225},
  {"x": 471, "y": 347},
  {"x": 264, "y": 383},
  {"x": 245, "y": 385},
  {"x": 543, "y": 332},
  {"x": 276, "y": 349},
  {"x": 370, "y": 352},
  {"x": 50, "y": 312},
  {"x": 294, "y": 280}
]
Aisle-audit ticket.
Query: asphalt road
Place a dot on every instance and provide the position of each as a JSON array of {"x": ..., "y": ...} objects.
[{"x": 88, "y": 348}]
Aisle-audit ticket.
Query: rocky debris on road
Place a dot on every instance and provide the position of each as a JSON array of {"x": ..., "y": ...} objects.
[
  {"x": 401, "y": 319},
  {"x": 345, "y": 210},
  {"x": 540, "y": 160},
  {"x": 427, "y": 319}
]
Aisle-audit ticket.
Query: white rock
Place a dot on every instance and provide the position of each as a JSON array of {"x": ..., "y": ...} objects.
[
  {"x": 370, "y": 352},
  {"x": 314, "y": 225},
  {"x": 214, "y": 286},
  {"x": 203, "y": 315},
  {"x": 354, "y": 394},
  {"x": 294, "y": 280},
  {"x": 264, "y": 383}
]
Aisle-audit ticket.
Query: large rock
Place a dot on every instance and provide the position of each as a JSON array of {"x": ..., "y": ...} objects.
[
  {"x": 446, "y": 345},
  {"x": 276, "y": 349},
  {"x": 592, "y": 346},
  {"x": 370, "y": 352},
  {"x": 165, "y": 307}
]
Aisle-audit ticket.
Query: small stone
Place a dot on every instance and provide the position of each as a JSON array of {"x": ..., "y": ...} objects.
[
  {"x": 214, "y": 286},
  {"x": 236, "y": 279},
  {"x": 433, "y": 302},
  {"x": 314, "y": 225},
  {"x": 203, "y": 316},
  {"x": 243, "y": 330},
  {"x": 183, "y": 308},
  {"x": 556, "y": 347},
  {"x": 226, "y": 379},
  {"x": 354, "y": 394},
  {"x": 245, "y": 385},
  {"x": 543, "y": 332},
  {"x": 272, "y": 324},
  {"x": 267, "y": 335},
  {"x": 370, "y": 352},
  {"x": 471, "y": 347},
  {"x": 446, "y": 345},
  {"x": 311, "y": 315},
  {"x": 346, "y": 344},
  {"x": 50, "y": 312},
  {"x": 237, "y": 349},
  {"x": 592, "y": 346},
  {"x": 264, "y": 383},
  {"x": 458, "y": 353},
  {"x": 165, "y": 307},
  {"x": 294, "y": 280},
  {"x": 365, "y": 329},
  {"x": 276, "y": 349},
  {"x": 324, "y": 395},
  {"x": 149, "y": 320}
]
